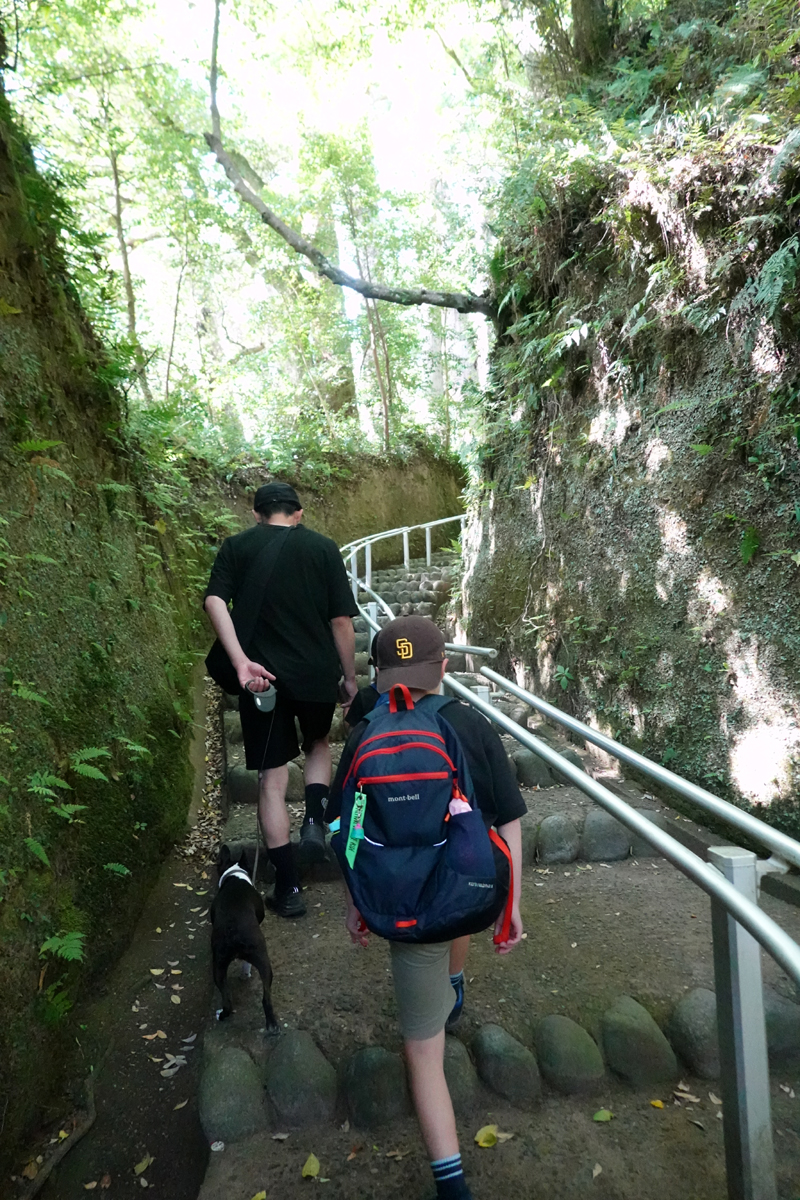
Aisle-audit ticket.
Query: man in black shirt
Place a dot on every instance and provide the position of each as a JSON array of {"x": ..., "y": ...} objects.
[{"x": 303, "y": 640}]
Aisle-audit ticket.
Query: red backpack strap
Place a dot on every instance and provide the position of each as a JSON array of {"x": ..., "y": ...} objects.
[
  {"x": 405, "y": 693},
  {"x": 505, "y": 929}
]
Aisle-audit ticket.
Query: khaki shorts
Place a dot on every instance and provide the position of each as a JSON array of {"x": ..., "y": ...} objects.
[{"x": 422, "y": 987}]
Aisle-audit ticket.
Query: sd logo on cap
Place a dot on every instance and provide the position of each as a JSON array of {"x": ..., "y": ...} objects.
[{"x": 409, "y": 650}]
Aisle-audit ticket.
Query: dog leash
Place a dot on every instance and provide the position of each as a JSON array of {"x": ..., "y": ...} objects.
[{"x": 258, "y": 801}]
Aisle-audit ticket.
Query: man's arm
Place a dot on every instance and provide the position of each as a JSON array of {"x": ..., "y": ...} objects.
[
  {"x": 246, "y": 670},
  {"x": 512, "y": 835},
  {"x": 345, "y": 639}
]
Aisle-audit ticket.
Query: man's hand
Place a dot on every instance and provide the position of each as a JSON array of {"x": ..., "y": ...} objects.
[
  {"x": 514, "y": 933},
  {"x": 359, "y": 934},
  {"x": 351, "y": 688},
  {"x": 253, "y": 673}
]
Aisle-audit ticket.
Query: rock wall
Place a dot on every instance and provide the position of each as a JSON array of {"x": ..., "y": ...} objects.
[{"x": 611, "y": 570}]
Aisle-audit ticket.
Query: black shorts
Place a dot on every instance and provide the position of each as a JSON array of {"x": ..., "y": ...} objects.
[{"x": 276, "y": 731}]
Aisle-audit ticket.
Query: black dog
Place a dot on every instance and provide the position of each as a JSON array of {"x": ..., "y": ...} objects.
[{"x": 236, "y": 916}]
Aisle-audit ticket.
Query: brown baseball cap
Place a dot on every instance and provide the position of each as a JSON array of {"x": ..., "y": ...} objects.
[{"x": 409, "y": 650}]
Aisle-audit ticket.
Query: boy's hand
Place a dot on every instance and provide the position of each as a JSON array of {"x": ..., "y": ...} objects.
[
  {"x": 356, "y": 927},
  {"x": 514, "y": 933}
]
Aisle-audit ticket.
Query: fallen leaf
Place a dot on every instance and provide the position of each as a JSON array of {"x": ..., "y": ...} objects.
[
  {"x": 190, "y": 1038},
  {"x": 152, "y": 1059},
  {"x": 699, "y": 1124},
  {"x": 486, "y": 1136},
  {"x": 160, "y": 1034},
  {"x": 657, "y": 1103},
  {"x": 195, "y": 909},
  {"x": 173, "y": 964},
  {"x": 144, "y": 1164},
  {"x": 182, "y": 1104},
  {"x": 148, "y": 1037},
  {"x": 143, "y": 1182},
  {"x": 205, "y": 893},
  {"x": 183, "y": 885},
  {"x": 596, "y": 1170},
  {"x": 603, "y": 1114},
  {"x": 158, "y": 929},
  {"x": 89, "y": 1187},
  {"x": 279, "y": 1137},
  {"x": 345, "y": 1128},
  {"x": 105, "y": 1182},
  {"x": 174, "y": 972},
  {"x": 260, "y": 1196},
  {"x": 216, "y": 1146},
  {"x": 30, "y": 1171},
  {"x": 504, "y": 1137},
  {"x": 687, "y": 1096},
  {"x": 175, "y": 999},
  {"x": 62, "y": 1135},
  {"x": 683, "y": 1087},
  {"x": 311, "y": 1167},
  {"x": 156, "y": 970},
  {"x": 714, "y": 1099},
  {"x": 398, "y": 1154}
]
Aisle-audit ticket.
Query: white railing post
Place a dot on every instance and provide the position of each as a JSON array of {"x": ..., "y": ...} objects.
[
  {"x": 427, "y": 545},
  {"x": 741, "y": 1026},
  {"x": 354, "y": 572},
  {"x": 368, "y": 564},
  {"x": 406, "y": 554}
]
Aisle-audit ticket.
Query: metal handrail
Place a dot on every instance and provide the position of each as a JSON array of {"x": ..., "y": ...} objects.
[
  {"x": 775, "y": 841},
  {"x": 387, "y": 533},
  {"x": 775, "y": 940}
]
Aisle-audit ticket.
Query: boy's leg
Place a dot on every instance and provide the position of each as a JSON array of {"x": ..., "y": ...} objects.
[
  {"x": 424, "y": 999},
  {"x": 432, "y": 1102},
  {"x": 458, "y": 957}
]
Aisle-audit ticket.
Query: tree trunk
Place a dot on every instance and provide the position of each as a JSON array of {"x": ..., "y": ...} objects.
[
  {"x": 130, "y": 295},
  {"x": 591, "y": 33}
]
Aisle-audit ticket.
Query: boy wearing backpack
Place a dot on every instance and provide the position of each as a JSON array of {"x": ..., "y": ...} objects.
[{"x": 420, "y": 783}]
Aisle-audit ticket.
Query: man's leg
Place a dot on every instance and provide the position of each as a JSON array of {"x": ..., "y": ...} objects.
[
  {"x": 315, "y": 722},
  {"x": 458, "y": 957},
  {"x": 274, "y": 821}
]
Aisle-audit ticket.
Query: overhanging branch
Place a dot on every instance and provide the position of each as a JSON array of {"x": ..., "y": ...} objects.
[{"x": 465, "y": 302}]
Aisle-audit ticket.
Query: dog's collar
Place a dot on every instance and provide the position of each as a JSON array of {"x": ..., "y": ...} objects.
[{"x": 236, "y": 872}]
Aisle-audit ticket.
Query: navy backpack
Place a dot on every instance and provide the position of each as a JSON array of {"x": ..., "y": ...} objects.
[{"x": 415, "y": 852}]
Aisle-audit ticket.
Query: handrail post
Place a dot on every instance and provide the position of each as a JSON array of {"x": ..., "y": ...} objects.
[
  {"x": 749, "y": 1155},
  {"x": 406, "y": 554},
  {"x": 427, "y": 545},
  {"x": 354, "y": 572},
  {"x": 368, "y": 564},
  {"x": 372, "y": 609}
]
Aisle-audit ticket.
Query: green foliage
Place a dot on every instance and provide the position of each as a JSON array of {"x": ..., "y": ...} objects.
[
  {"x": 37, "y": 850},
  {"x": 750, "y": 543},
  {"x": 69, "y": 946},
  {"x": 116, "y": 868},
  {"x": 81, "y": 762}
]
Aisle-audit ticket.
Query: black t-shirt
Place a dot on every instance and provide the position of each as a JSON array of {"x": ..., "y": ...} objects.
[
  {"x": 496, "y": 788},
  {"x": 308, "y": 588}
]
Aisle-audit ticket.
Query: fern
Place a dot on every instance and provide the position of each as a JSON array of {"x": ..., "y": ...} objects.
[
  {"x": 133, "y": 747},
  {"x": 42, "y": 558},
  {"x": 38, "y": 850},
  {"x": 67, "y": 811},
  {"x": 23, "y": 692},
  {"x": 68, "y": 946},
  {"x": 36, "y": 447},
  {"x": 42, "y": 784},
  {"x": 116, "y": 868},
  {"x": 81, "y": 765}
]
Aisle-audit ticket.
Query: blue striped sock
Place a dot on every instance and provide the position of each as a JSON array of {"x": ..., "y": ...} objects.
[{"x": 448, "y": 1175}]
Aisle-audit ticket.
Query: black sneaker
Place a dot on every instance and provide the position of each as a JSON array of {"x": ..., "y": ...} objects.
[
  {"x": 288, "y": 904},
  {"x": 312, "y": 843}
]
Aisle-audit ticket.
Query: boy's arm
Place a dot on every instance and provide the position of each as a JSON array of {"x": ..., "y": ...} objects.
[{"x": 512, "y": 835}]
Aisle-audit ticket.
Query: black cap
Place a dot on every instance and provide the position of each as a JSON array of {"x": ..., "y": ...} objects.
[{"x": 275, "y": 493}]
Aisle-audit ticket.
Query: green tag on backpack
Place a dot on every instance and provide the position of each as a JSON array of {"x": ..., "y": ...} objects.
[{"x": 356, "y": 834}]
